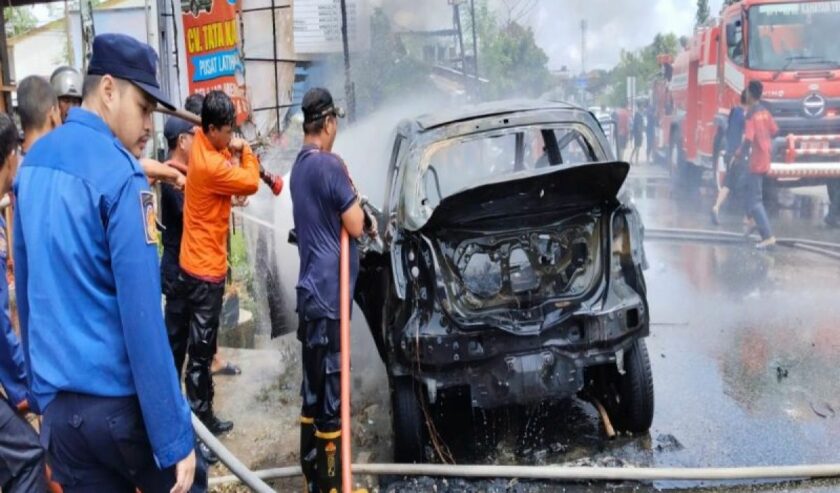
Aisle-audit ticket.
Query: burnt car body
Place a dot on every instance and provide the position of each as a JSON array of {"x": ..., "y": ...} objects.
[{"x": 511, "y": 268}]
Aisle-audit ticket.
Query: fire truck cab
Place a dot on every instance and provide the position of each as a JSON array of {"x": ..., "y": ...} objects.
[{"x": 787, "y": 45}]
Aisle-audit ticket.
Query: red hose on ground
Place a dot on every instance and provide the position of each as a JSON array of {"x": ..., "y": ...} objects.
[{"x": 344, "y": 315}]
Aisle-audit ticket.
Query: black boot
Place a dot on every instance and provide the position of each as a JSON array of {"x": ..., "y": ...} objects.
[
  {"x": 216, "y": 425},
  {"x": 328, "y": 461},
  {"x": 308, "y": 454}
]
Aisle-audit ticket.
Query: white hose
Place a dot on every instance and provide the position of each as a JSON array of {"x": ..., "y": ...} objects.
[
  {"x": 228, "y": 459},
  {"x": 572, "y": 473}
]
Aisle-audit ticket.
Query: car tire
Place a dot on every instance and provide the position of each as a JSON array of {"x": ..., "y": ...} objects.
[
  {"x": 635, "y": 390},
  {"x": 628, "y": 398},
  {"x": 409, "y": 423}
]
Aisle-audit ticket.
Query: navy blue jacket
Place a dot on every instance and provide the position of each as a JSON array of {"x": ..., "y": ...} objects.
[{"x": 88, "y": 284}]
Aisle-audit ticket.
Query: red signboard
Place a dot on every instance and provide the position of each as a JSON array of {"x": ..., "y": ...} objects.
[{"x": 211, "y": 38}]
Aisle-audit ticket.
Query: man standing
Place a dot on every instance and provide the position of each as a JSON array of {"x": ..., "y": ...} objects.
[
  {"x": 67, "y": 84},
  {"x": 179, "y": 136},
  {"x": 21, "y": 456},
  {"x": 88, "y": 289},
  {"x": 211, "y": 183},
  {"x": 638, "y": 134},
  {"x": 732, "y": 132},
  {"x": 758, "y": 144},
  {"x": 324, "y": 201},
  {"x": 650, "y": 140},
  {"x": 37, "y": 108}
]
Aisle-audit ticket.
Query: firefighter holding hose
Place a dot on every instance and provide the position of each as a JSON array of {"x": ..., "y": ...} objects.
[{"x": 324, "y": 200}]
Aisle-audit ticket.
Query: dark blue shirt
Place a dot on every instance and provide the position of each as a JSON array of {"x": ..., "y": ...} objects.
[
  {"x": 735, "y": 130},
  {"x": 12, "y": 369},
  {"x": 321, "y": 191},
  {"x": 172, "y": 218},
  {"x": 88, "y": 285}
]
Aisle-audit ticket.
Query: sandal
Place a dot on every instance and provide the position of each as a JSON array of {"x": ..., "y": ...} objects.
[{"x": 229, "y": 369}]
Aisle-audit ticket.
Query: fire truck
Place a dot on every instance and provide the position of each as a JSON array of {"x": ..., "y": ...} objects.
[{"x": 792, "y": 48}]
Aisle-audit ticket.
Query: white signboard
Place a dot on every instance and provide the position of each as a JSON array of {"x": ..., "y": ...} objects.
[{"x": 318, "y": 26}]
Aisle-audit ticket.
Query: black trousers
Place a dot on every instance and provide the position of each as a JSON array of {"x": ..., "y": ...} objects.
[
  {"x": 203, "y": 300},
  {"x": 834, "y": 201},
  {"x": 175, "y": 314},
  {"x": 99, "y": 444},
  {"x": 321, "y": 386},
  {"x": 21, "y": 456}
]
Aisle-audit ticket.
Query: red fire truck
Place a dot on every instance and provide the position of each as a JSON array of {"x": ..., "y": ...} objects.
[{"x": 792, "y": 48}]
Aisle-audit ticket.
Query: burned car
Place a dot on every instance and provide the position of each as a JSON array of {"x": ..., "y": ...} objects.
[{"x": 511, "y": 269}]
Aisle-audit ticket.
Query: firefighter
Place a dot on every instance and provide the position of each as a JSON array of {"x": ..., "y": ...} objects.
[
  {"x": 758, "y": 145},
  {"x": 88, "y": 289},
  {"x": 324, "y": 200},
  {"x": 67, "y": 84},
  {"x": 212, "y": 182},
  {"x": 21, "y": 456}
]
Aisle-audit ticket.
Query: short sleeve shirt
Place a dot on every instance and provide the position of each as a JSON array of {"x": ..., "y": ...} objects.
[
  {"x": 759, "y": 130},
  {"x": 321, "y": 191}
]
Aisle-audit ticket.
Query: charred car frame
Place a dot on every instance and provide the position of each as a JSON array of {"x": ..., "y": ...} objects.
[{"x": 511, "y": 268}]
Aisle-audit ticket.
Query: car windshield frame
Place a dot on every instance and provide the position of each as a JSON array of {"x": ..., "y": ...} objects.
[
  {"x": 414, "y": 209},
  {"x": 766, "y": 52}
]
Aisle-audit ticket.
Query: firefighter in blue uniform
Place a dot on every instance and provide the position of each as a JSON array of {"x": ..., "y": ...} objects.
[
  {"x": 21, "y": 456},
  {"x": 88, "y": 289}
]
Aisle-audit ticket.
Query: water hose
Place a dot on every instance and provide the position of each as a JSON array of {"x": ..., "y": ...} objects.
[
  {"x": 273, "y": 182},
  {"x": 344, "y": 315},
  {"x": 229, "y": 460},
  {"x": 573, "y": 473}
]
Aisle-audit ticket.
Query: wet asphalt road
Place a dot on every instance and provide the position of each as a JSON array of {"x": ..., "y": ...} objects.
[{"x": 744, "y": 347}]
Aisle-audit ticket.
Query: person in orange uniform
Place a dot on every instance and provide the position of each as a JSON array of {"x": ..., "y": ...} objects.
[{"x": 211, "y": 183}]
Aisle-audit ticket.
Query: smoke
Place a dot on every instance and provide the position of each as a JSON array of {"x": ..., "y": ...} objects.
[
  {"x": 612, "y": 26},
  {"x": 408, "y": 17}
]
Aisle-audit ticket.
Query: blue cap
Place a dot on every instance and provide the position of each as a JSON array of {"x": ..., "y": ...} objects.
[
  {"x": 175, "y": 127},
  {"x": 123, "y": 57}
]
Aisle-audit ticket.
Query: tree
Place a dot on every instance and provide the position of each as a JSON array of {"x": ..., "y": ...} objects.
[
  {"x": 18, "y": 20},
  {"x": 509, "y": 57},
  {"x": 703, "y": 12},
  {"x": 640, "y": 64}
]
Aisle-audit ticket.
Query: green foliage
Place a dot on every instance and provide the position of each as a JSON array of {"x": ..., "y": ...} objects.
[
  {"x": 703, "y": 11},
  {"x": 640, "y": 64},
  {"x": 18, "y": 20},
  {"x": 508, "y": 56},
  {"x": 386, "y": 70}
]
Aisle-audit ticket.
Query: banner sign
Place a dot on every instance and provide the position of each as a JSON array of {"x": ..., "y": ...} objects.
[{"x": 212, "y": 39}]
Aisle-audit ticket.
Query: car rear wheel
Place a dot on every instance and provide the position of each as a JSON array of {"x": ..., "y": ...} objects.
[
  {"x": 409, "y": 424},
  {"x": 636, "y": 390},
  {"x": 628, "y": 398}
]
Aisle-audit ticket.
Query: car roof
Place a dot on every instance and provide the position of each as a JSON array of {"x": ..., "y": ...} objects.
[{"x": 495, "y": 108}]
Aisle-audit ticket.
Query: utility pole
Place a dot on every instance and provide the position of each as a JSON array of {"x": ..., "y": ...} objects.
[
  {"x": 88, "y": 32},
  {"x": 349, "y": 92},
  {"x": 456, "y": 19},
  {"x": 583, "y": 46},
  {"x": 475, "y": 52}
]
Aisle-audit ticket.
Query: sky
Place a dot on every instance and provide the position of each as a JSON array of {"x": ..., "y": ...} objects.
[{"x": 613, "y": 25}]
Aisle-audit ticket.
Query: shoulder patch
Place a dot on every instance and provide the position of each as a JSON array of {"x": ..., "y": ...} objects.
[{"x": 147, "y": 209}]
